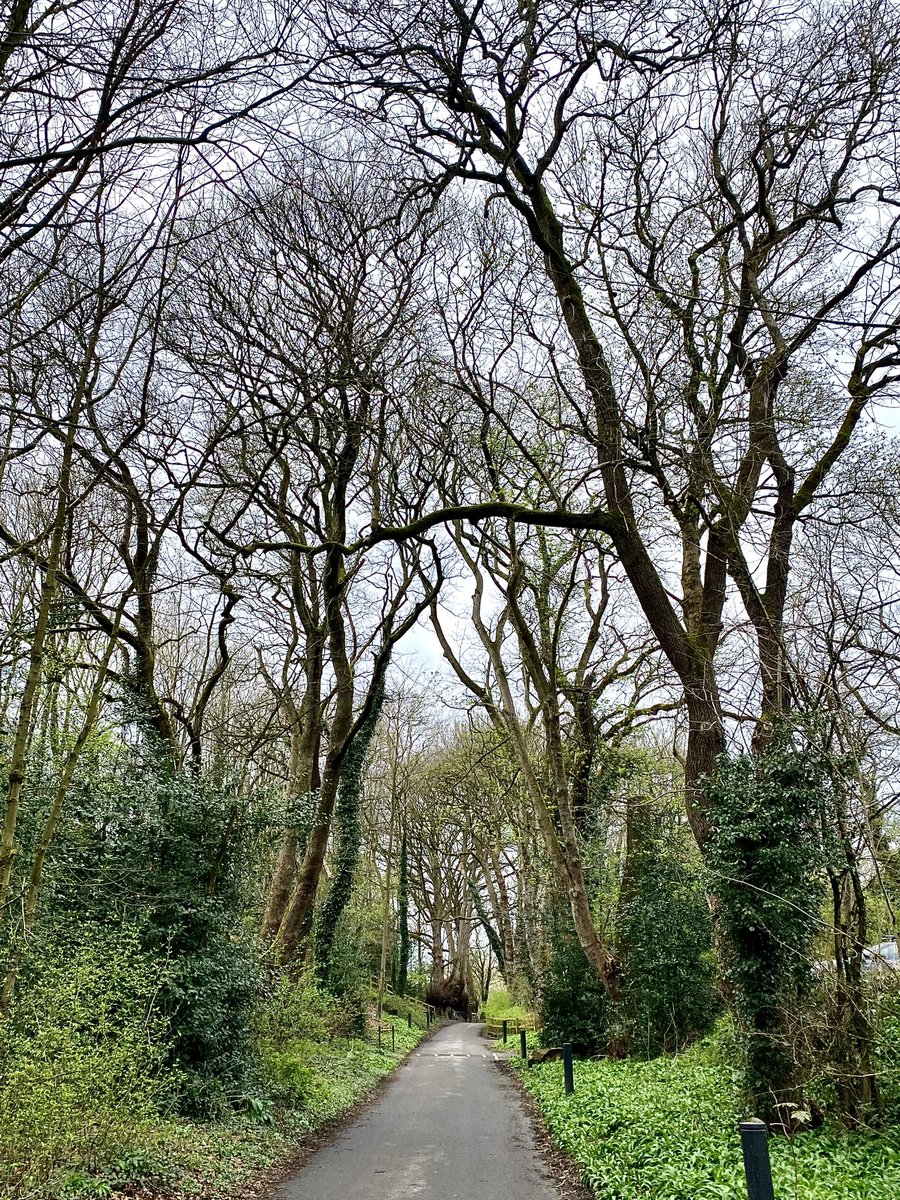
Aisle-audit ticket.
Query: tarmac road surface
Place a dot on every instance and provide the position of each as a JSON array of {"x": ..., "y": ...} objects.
[{"x": 449, "y": 1125}]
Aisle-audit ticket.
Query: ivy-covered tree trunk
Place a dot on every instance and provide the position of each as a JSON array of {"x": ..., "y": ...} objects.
[
  {"x": 493, "y": 936},
  {"x": 766, "y": 858},
  {"x": 304, "y": 780},
  {"x": 403, "y": 914},
  {"x": 349, "y": 835}
]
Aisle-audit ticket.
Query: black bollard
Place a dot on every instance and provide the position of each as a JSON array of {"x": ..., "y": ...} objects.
[
  {"x": 523, "y": 1044},
  {"x": 757, "y": 1166},
  {"x": 568, "y": 1072},
  {"x": 409, "y": 1020},
  {"x": 393, "y": 1038},
  {"x": 505, "y": 1023}
]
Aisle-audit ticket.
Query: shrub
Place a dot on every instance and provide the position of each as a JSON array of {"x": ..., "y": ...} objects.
[
  {"x": 193, "y": 924},
  {"x": 499, "y": 1005},
  {"x": 82, "y": 1054},
  {"x": 300, "y": 1009},
  {"x": 665, "y": 936},
  {"x": 291, "y": 1079},
  {"x": 574, "y": 1005},
  {"x": 348, "y": 976},
  {"x": 162, "y": 851}
]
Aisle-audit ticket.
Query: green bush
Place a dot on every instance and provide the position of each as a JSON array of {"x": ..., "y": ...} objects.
[
  {"x": 499, "y": 1005},
  {"x": 193, "y": 924},
  {"x": 162, "y": 851},
  {"x": 311, "y": 1060},
  {"x": 300, "y": 1008},
  {"x": 348, "y": 975},
  {"x": 574, "y": 1005},
  {"x": 665, "y": 936},
  {"x": 292, "y": 1078},
  {"x": 82, "y": 1055}
]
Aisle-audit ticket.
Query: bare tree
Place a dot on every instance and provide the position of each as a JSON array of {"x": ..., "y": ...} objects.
[
  {"x": 95, "y": 86},
  {"x": 302, "y": 328},
  {"x": 677, "y": 290},
  {"x": 560, "y": 680}
]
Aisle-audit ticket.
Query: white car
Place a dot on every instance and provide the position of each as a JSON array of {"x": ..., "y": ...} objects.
[{"x": 881, "y": 955}]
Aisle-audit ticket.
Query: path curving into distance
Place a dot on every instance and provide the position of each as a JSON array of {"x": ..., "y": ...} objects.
[{"x": 449, "y": 1125}]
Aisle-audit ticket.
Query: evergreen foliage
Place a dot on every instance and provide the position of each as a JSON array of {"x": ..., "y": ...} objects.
[
  {"x": 167, "y": 853},
  {"x": 82, "y": 1055},
  {"x": 664, "y": 936},
  {"x": 765, "y": 859},
  {"x": 349, "y": 836},
  {"x": 574, "y": 1005}
]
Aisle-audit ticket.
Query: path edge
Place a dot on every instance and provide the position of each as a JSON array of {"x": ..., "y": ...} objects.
[
  {"x": 563, "y": 1168},
  {"x": 265, "y": 1185}
]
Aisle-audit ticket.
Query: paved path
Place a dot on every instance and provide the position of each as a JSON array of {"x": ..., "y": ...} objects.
[{"x": 449, "y": 1125}]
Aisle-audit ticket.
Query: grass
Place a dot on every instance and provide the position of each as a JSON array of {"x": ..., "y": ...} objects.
[
  {"x": 310, "y": 1083},
  {"x": 667, "y": 1130},
  {"x": 499, "y": 1007},
  {"x": 218, "y": 1161}
]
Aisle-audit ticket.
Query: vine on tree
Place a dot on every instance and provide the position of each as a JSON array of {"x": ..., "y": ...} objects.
[
  {"x": 766, "y": 859},
  {"x": 349, "y": 836}
]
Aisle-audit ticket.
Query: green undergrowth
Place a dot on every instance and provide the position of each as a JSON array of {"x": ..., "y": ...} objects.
[
  {"x": 499, "y": 1007},
  {"x": 312, "y": 1068},
  {"x": 310, "y": 1084},
  {"x": 667, "y": 1130}
]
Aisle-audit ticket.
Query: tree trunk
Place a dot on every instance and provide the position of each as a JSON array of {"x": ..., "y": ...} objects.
[
  {"x": 23, "y": 726},
  {"x": 306, "y": 733}
]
